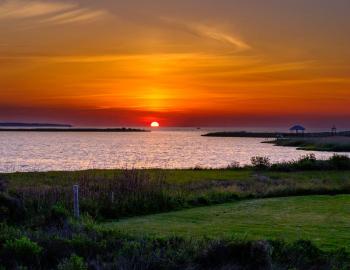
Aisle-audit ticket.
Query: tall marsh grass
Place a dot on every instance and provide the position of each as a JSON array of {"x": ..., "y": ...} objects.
[
  {"x": 128, "y": 193},
  {"x": 138, "y": 192}
]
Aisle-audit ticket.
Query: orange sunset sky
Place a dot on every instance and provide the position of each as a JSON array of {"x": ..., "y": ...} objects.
[{"x": 182, "y": 63}]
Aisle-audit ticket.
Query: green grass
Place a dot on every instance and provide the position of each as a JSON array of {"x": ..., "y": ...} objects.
[
  {"x": 108, "y": 194},
  {"x": 172, "y": 176},
  {"x": 325, "y": 220},
  {"x": 252, "y": 208},
  {"x": 188, "y": 176},
  {"x": 177, "y": 176}
]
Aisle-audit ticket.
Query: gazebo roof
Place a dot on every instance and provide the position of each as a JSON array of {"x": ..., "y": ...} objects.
[{"x": 297, "y": 127}]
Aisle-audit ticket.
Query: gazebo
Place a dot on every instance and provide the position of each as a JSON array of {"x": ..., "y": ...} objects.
[
  {"x": 334, "y": 130},
  {"x": 297, "y": 129}
]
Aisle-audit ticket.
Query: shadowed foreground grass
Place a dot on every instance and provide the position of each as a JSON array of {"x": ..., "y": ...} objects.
[{"x": 322, "y": 219}]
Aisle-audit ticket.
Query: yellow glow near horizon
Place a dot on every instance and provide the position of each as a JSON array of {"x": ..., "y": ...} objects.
[
  {"x": 171, "y": 68},
  {"x": 154, "y": 124}
]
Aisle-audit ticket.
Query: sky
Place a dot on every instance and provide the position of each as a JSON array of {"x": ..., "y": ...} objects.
[{"x": 181, "y": 63}]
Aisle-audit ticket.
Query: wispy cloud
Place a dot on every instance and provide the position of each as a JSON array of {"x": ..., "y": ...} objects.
[
  {"x": 211, "y": 32},
  {"x": 77, "y": 15},
  {"x": 28, "y": 9},
  {"x": 48, "y": 12},
  {"x": 101, "y": 58},
  {"x": 216, "y": 34}
]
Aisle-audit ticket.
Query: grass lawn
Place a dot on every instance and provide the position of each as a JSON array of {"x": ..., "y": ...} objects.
[{"x": 325, "y": 220}]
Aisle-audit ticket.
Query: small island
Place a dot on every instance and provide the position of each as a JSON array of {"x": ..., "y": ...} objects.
[{"x": 72, "y": 130}]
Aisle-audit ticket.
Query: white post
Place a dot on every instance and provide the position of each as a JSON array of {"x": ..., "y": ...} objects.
[{"x": 76, "y": 201}]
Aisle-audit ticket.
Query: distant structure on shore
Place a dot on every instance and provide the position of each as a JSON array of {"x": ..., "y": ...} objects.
[
  {"x": 334, "y": 130},
  {"x": 298, "y": 129}
]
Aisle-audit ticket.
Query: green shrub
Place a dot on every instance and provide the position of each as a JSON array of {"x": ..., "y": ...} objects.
[
  {"x": 239, "y": 255},
  {"x": 8, "y": 233},
  {"x": 340, "y": 162},
  {"x": 22, "y": 251},
  {"x": 3, "y": 185},
  {"x": 104, "y": 249},
  {"x": 309, "y": 162},
  {"x": 261, "y": 163},
  {"x": 235, "y": 165},
  {"x": 300, "y": 255},
  {"x": 11, "y": 208},
  {"x": 58, "y": 215},
  {"x": 73, "y": 263},
  {"x": 308, "y": 158}
]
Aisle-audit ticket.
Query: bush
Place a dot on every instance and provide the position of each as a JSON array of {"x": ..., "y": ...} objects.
[
  {"x": 73, "y": 263},
  {"x": 300, "y": 255},
  {"x": 309, "y": 162},
  {"x": 21, "y": 251},
  {"x": 11, "y": 208},
  {"x": 231, "y": 255},
  {"x": 58, "y": 215},
  {"x": 234, "y": 165},
  {"x": 340, "y": 162},
  {"x": 81, "y": 248},
  {"x": 8, "y": 233},
  {"x": 261, "y": 163},
  {"x": 3, "y": 185},
  {"x": 308, "y": 158}
]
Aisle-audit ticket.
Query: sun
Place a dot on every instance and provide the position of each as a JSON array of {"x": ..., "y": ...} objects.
[{"x": 154, "y": 124}]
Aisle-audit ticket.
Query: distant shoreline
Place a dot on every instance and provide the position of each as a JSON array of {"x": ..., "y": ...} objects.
[
  {"x": 44, "y": 125},
  {"x": 72, "y": 130},
  {"x": 244, "y": 134},
  {"x": 328, "y": 144}
]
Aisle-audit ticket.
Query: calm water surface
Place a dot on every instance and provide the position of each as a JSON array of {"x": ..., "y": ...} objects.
[{"x": 21, "y": 151}]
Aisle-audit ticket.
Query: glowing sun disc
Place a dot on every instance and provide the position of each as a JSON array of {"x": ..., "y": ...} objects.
[{"x": 154, "y": 124}]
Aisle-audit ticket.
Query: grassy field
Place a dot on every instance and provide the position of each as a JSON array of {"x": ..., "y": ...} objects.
[
  {"x": 116, "y": 194},
  {"x": 174, "y": 176},
  {"x": 331, "y": 144},
  {"x": 322, "y": 219},
  {"x": 180, "y": 219}
]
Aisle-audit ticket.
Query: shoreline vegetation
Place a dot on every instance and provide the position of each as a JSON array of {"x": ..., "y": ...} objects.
[
  {"x": 330, "y": 144},
  {"x": 261, "y": 216},
  {"x": 245, "y": 134},
  {"x": 322, "y": 141},
  {"x": 73, "y": 130}
]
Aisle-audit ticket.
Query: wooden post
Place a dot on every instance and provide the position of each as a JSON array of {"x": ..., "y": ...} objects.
[
  {"x": 112, "y": 197},
  {"x": 76, "y": 201}
]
